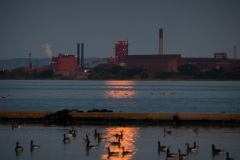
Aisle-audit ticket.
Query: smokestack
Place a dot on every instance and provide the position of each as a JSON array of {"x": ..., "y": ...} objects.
[
  {"x": 78, "y": 53},
  {"x": 82, "y": 55},
  {"x": 235, "y": 52},
  {"x": 30, "y": 64},
  {"x": 160, "y": 41}
]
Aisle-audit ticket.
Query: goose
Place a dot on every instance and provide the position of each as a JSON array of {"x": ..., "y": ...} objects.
[
  {"x": 195, "y": 146},
  {"x": 15, "y": 126},
  {"x": 126, "y": 152},
  {"x": 65, "y": 139},
  {"x": 116, "y": 143},
  {"x": 170, "y": 156},
  {"x": 190, "y": 149},
  {"x": 166, "y": 132},
  {"x": 162, "y": 148},
  {"x": 96, "y": 134},
  {"x": 195, "y": 130},
  {"x": 72, "y": 133},
  {"x": 34, "y": 147},
  {"x": 100, "y": 139},
  {"x": 86, "y": 140},
  {"x": 90, "y": 147},
  {"x": 216, "y": 151},
  {"x": 112, "y": 153},
  {"x": 182, "y": 156},
  {"x": 18, "y": 148},
  {"x": 118, "y": 135},
  {"x": 228, "y": 157}
]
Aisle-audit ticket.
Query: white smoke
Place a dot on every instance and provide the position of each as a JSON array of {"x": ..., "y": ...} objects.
[{"x": 47, "y": 49}]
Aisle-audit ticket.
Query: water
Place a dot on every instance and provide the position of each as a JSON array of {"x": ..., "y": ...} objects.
[
  {"x": 142, "y": 141},
  {"x": 124, "y": 96}
]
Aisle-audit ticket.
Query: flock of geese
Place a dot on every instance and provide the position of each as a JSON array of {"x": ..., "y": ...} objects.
[
  {"x": 4, "y": 97},
  {"x": 163, "y": 93},
  {"x": 161, "y": 148},
  {"x": 195, "y": 148},
  {"x": 72, "y": 133}
]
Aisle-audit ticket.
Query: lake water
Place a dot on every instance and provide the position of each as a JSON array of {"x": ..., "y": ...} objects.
[
  {"x": 121, "y": 96},
  {"x": 124, "y": 96},
  {"x": 142, "y": 141}
]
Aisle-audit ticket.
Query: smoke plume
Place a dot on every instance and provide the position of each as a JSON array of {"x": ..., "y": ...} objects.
[{"x": 47, "y": 49}]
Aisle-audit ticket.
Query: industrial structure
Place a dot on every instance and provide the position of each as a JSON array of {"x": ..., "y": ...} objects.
[
  {"x": 170, "y": 62},
  {"x": 66, "y": 62},
  {"x": 152, "y": 63}
]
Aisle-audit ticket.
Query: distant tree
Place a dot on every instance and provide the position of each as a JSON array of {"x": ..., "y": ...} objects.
[
  {"x": 211, "y": 74},
  {"x": 116, "y": 69},
  {"x": 129, "y": 73},
  {"x": 93, "y": 76},
  {"x": 5, "y": 74},
  {"x": 221, "y": 70},
  {"x": 235, "y": 73},
  {"x": 47, "y": 74},
  {"x": 162, "y": 75},
  {"x": 188, "y": 69},
  {"x": 99, "y": 70},
  {"x": 107, "y": 75},
  {"x": 236, "y": 69},
  {"x": 144, "y": 74}
]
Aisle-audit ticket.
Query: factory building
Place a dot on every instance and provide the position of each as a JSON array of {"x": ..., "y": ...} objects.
[
  {"x": 66, "y": 62},
  {"x": 205, "y": 64},
  {"x": 171, "y": 62},
  {"x": 61, "y": 63},
  {"x": 154, "y": 62}
]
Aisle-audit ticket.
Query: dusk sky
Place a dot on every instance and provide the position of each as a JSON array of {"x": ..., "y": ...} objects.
[{"x": 190, "y": 28}]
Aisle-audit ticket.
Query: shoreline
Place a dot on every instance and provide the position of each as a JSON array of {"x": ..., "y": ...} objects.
[
  {"x": 66, "y": 117},
  {"x": 234, "y": 80}
]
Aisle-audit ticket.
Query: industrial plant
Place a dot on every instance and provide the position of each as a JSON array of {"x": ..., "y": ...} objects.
[{"x": 152, "y": 63}]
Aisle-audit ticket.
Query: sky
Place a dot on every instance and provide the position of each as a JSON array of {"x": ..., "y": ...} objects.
[{"x": 196, "y": 28}]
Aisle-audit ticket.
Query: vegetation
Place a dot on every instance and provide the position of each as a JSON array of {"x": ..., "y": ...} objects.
[
  {"x": 186, "y": 72},
  {"x": 118, "y": 72}
]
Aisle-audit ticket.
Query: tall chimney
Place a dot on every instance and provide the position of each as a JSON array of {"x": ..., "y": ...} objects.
[
  {"x": 82, "y": 55},
  {"x": 78, "y": 53},
  {"x": 29, "y": 62},
  {"x": 160, "y": 41},
  {"x": 235, "y": 52}
]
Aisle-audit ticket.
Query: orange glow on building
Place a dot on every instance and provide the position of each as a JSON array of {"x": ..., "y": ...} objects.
[{"x": 127, "y": 141}]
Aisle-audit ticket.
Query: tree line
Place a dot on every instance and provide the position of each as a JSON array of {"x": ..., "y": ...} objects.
[
  {"x": 21, "y": 74},
  {"x": 187, "y": 71}
]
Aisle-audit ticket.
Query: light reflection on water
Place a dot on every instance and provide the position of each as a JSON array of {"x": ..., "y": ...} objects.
[
  {"x": 120, "y": 84},
  {"x": 119, "y": 89},
  {"x": 127, "y": 141}
]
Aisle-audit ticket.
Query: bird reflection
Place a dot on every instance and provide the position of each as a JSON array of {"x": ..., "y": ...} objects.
[{"x": 126, "y": 152}]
